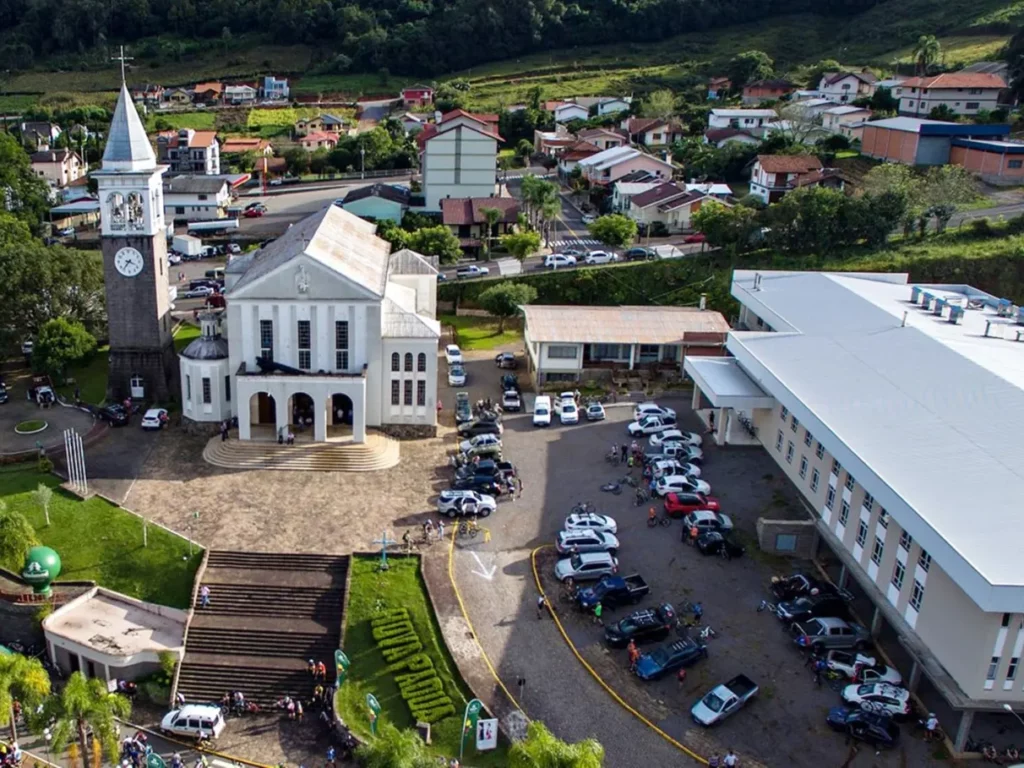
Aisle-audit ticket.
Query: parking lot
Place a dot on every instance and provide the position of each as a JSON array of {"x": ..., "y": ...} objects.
[{"x": 561, "y": 466}]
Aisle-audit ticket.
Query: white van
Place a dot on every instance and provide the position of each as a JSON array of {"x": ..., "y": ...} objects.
[
  {"x": 193, "y": 718},
  {"x": 542, "y": 411}
]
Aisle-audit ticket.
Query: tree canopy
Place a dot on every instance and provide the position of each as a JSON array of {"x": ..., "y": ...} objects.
[
  {"x": 17, "y": 536},
  {"x": 541, "y": 749},
  {"x": 436, "y": 241},
  {"x": 615, "y": 230},
  {"x": 749, "y": 66},
  {"x": 60, "y": 344},
  {"x": 504, "y": 299}
]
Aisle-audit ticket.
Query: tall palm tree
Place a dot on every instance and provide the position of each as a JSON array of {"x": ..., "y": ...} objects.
[
  {"x": 84, "y": 705},
  {"x": 549, "y": 211},
  {"x": 926, "y": 52},
  {"x": 491, "y": 215},
  {"x": 24, "y": 679}
]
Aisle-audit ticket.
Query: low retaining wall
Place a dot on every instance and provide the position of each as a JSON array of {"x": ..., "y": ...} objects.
[{"x": 409, "y": 431}]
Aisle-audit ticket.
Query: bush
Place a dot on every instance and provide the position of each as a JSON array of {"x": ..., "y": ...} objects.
[
  {"x": 982, "y": 227},
  {"x": 1015, "y": 226},
  {"x": 658, "y": 229},
  {"x": 44, "y": 465}
]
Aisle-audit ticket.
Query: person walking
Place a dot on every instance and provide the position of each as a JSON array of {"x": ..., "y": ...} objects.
[
  {"x": 625, "y": 450},
  {"x": 634, "y": 655},
  {"x": 223, "y": 430},
  {"x": 331, "y": 755},
  {"x": 204, "y": 596},
  {"x": 311, "y": 668},
  {"x": 819, "y": 669},
  {"x": 440, "y": 530},
  {"x": 519, "y": 487},
  {"x": 542, "y": 603},
  {"x": 298, "y": 710},
  {"x": 598, "y": 610},
  {"x": 730, "y": 761},
  {"x": 321, "y": 671},
  {"x": 711, "y": 423},
  {"x": 714, "y": 761}
]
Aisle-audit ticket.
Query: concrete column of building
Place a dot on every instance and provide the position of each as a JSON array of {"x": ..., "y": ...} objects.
[
  {"x": 81, "y": 665},
  {"x": 876, "y": 622},
  {"x": 730, "y": 419},
  {"x": 359, "y": 419},
  {"x": 695, "y": 403},
  {"x": 843, "y": 576},
  {"x": 320, "y": 420},
  {"x": 964, "y": 729},
  {"x": 915, "y": 676},
  {"x": 106, "y": 672},
  {"x": 720, "y": 418},
  {"x": 282, "y": 416}
]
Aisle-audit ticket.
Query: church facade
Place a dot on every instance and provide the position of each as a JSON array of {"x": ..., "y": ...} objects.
[{"x": 327, "y": 334}]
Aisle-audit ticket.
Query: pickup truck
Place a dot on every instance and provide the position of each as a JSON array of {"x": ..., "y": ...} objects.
[
  {"x": 463, "y": 409},
  {"x": 614, "y": 590},
  {"x": 723, "y": 700},
  {"x": 503, "y": 470}
]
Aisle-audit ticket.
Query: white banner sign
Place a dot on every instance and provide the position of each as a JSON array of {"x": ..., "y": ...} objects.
[{"x": 486, "y": 734}]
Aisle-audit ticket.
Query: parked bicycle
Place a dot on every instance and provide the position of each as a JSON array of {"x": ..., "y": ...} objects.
[
  {"x": 642, "y": 496},
  {"x": 628, "y": 480},
  {"x": 583, "y": 508},
  {"x": 766, "y": 606},
  {"x": 469, "y": 528},
  {"x": 707, "y": 633},
  {"x": 613, "y": 488}
]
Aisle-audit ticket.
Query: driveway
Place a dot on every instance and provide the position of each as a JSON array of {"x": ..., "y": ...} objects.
[{"x": 564, "y": 465}]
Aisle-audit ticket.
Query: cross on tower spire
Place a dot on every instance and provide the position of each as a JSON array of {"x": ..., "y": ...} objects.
[{"x": 122, "y": 58}]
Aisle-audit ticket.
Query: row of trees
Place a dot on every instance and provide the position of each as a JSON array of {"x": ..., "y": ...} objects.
[{"x": 383, "y": 148}]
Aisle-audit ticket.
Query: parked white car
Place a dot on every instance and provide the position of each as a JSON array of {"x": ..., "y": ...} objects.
[
  {"x": 451, "y": 503},
  {"x": 542, "y": 411},
  {"x": 861, "y": 668},
  {"x": 674, "y": 467},
  {"x": 569, "y": 413},
  {"x": 679, "y": 484},
  {"x": 586, "y": 566},
  {"x": 649, "y": 425},
  {"x": 193, "y": 719},
  {"x": 154, "y": 418},
  {"x": 590, "y": 521},
  {"x": 453, "y": 355},
  {"x": 558, "y": 260},
  {"x": 588, "y": 218},
  {"x": 479, "y": 441},
  {"x": 683, "y": 452},
  {"x": 676, "y": 436},
  {"x": 173, "y": 259},
  {"x": 456, "y": 376},
  {"x": 601, "y": 257},
  {"x": 879, "y": 697},
  {"x": 653, "y": 409},
  {"x": 582, "y": 540}
]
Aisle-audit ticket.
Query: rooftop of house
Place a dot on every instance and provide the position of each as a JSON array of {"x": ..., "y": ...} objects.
[
  {"x": 771, "y": 84},
  {"x": 469, "y": 210},
  {"x": 846, "y": 109},
  {"x": 242, "y": 144},
  {"x": 194, "y": 139},
  {"x": 319, "y": 136},
  {"x": 195, "y": 185},
  {"x": 658, "y": 194},
  {"x": 957, "y": 80},
  {"x": 789, "y": 163},
  {"x": 53, "y": 156},
  {"x": 938, "y": 127},
  {"x": 619, "y": 325},
  {"x": 731, "y": 113},
  {"x": 720, "y": 134},
  {"x": 383, "y": 191},
  {"x": 831, "y": 78},
  {"x": 633, "y": 188},
  {"x": 908, "y": 402}
]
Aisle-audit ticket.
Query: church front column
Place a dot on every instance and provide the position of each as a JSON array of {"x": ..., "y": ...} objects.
[
  {"x": 320, "y": 410},
  {"x": 282, "y": 413},
  {"x": 359, "y": 419}
]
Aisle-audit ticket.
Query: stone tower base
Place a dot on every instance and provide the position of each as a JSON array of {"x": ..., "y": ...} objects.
[{"x": 157, "y": 368}]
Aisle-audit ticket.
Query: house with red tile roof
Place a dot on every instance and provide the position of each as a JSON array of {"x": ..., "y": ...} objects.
[
  {"x": 653, "y": 132},
  {"x": 844, "y": 87},
  {"x": 775, "y": 175},
  {"x": 965, "y": 93},
  {"x": 766, "y": 90},
  {"x": 311, "y": 142},
  {"x": 237, "y": 145},
  {"x": 189, "y": 151},
  {"x": 466, "y": 220},
  {"x": 572, "y": 154}
]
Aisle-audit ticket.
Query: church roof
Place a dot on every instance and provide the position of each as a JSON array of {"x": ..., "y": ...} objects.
[
  {"x": 399, "y": 319},
  {"x": 128, "y": 147},
  {"x": 206, "y": 348},
  {"x": 406, "y": 262},
  {"x": 339, "y": 240}
]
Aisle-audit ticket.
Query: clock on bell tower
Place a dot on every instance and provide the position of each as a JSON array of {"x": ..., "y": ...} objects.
[{"x": 135, "y": 269}]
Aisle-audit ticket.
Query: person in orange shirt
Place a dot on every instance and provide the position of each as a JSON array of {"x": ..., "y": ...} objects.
[{"x": 634, "y": 655}]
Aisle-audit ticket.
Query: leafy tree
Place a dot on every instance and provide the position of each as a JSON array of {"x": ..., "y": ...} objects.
[
  {"x": 1014, "y": 55},
  {"x": 394, "y": 748},
  {"x": 946, "y": 188},
  {"x": 749, "y": 66},
  {"x": 541, "y": 749},
  {"x": 883, "y": 101},
  {"x": 43, "y": 495},
  {"x": 492, "y": 217},
  {"x": 521, "y": 244},
  {"x": 724, "y": 227},
  {"x": 535, "y": 192},
  {"x": 394, "y": 234},
  {"x": 943, "y": 112},
  {"x": 436, "y": 241},
  {"x": 297, "y": 161},
  {"x": 660, "y": 104},
  {"x": 17, "y": 536},
  {"x": 13, "y": 230},
  {"x": 504, "y": 299},
  {"x": 22, "y": 678},
  {"x": 318, "y": 161},
  {"x": 83, "y": 705},
  {"x": 61, "y": 343},
  {"x": 615, "y": 230},
  {"x": 816, "y": 72},
  {"x": 550, "y": 210},
  {"x": 901, "y": 182},
  {"x": 25, "y": 194},
  {"x": 926, "y": 52},
  {"x": 524, "y": 148}
]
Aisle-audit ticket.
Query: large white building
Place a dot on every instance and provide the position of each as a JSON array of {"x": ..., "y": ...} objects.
[
  {"x": 894, "y": 409},
  {"x": 458, "y": 158},
  {"x": 963, "y": 93},
  {"x": 328, "y": 333}
]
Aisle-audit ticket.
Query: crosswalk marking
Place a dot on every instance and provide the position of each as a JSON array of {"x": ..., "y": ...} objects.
[{"x": 579, "y": 241}]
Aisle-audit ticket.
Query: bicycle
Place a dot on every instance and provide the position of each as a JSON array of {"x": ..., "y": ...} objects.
[
  {"x": 612, "y": 488},
  {"x": 584, "y": 508},
  {"x": 612, "y": 457},
  {"x": 766, "y": 606},
  {"x": 707, "y": 633},
  {"x": 469, "y": 528},
  {"x": 628, "y": 480},
  {"x": 642, "y": 496},
  {"x": 662, "y": 520}
]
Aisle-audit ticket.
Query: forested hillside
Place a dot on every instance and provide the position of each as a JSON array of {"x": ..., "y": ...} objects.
[{"x": 415, "y": 37}]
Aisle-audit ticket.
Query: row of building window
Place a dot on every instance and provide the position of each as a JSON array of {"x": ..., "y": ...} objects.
[
  {"x": 397, "y": 391},
  {"x": 207, "y": 389},
  {"x": 304, "y": 339},
  {"x": 421, "y": 362}
]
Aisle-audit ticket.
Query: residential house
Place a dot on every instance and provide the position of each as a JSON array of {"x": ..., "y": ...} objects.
[
  {"x": 571, "y": 156},
  {"x": 178, "y": 97},
  {"x": 189, "y": 151},
  {"x": 466, "y": 220},
  {"x": 324, "y": 123},
  {"x": 844, "y": 87},
  {"x": 745, "y": 119},
  {"x": 239, "y": 145},
  {"x": 652, "y": 132},
  {"x": 208, "y": 93},
  {"x": 964, "y": 93},
  {"x": 891, "y": 82},
  {"x": 311, "y": 142},
  {"x": 722, "y": 136},
  {"x": 40, "y": 133},
  {"x": 150, "y": 94},
  {"x": 458, "y": 158},
  {"x": 550, "y": 143},
  {"x": 377, "y": 202},
  {"x": 242, "y": 93},
  {"x": 717, "y": 190},
  {"x": 668, "y": 204},
  {"x": 196, "y": 198},
  {"x": 611, "y": 105},
  {"x": 417, "y": 96},
  {"x": 624, "y": 191},
  {"x": 914, "y": 141},
  {"x": 604, "y": 138},
  {"x": 846, "y": 120},
  {"x": 570, "y": 111},
  {"x": 412, "y": 123},
  {"x": 59, "y": 167},
  {"x": 274, "y": 88},
  {"x": 718, "y": 87},
  {"x": 571, "y": 343},
  {"x": 810, "y": 109},
  {"x": 766, "y": 90},
  {"x": 775, "y": 175},
  {"x": 610, "y": 165}
]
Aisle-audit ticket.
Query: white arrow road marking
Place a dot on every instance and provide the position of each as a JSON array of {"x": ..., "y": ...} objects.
[{"x": 486, "y": 573}]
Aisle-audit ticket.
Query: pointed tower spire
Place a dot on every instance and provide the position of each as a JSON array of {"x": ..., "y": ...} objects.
[{"x": 128, "y": 147}]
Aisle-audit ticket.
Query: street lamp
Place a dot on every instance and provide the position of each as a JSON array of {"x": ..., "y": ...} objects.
[
  {"x": 1009, "y": 709},
  {"x": 362, "y": 162},
  {"x": 48, "y": 735}
]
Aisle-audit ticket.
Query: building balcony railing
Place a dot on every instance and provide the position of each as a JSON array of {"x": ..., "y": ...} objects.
[{"x": 266, "y": 367}]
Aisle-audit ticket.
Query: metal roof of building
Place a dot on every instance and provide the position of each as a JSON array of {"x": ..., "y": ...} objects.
[
  {"x": 924, "y": 414},
  {"x": 128, "y": 147},
  {"x": 619, "y": 325}
]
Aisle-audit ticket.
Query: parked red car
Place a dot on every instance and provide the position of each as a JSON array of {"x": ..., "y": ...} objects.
[
  {"x": 696, "y": 237},
  {"x": 253, "y": 213},
  {"x": 681, "y": 504}
]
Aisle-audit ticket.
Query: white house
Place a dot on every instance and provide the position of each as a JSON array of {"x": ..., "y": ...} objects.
[
  {"x": 239, "y": 94},
  {"x": 59, "y": 167},
  {"x": 844, "y": 87},
  {"x": 566, "y": 112},
  {"x": 846, "y": 120},
  {"x": 328, "y": 334},
  {"x": 458, "y": 158},
  {"x": 965, "y": 93},
  {"x": 612, "y": 105},
  {"x": 196, "y": 198},
  {"x": 746, "y": 119},
  {"x": 773, "y": 176},
  {"x": 609, "y": 166},
  {"x": 274, "y": 88}
]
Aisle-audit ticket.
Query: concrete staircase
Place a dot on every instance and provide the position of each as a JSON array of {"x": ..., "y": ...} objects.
[
  {"x": 378, "y": 452},
  {"x": 268, "y": 615}
]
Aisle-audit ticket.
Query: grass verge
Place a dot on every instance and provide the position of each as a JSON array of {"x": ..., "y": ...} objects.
[
  {"x": 373, "y": 593},
  {"x": 103, "y": 543},
  {"x": 90, "y": 377},
  {"x": 482, "y": 332},
  {"x": 184, "y": 336}
]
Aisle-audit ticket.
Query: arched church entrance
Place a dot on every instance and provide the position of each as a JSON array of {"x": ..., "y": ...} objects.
[
  {"x": 262, "y": 415},
  {"x": 340, "y": 415},
  {"x": 302, "y": 414}
]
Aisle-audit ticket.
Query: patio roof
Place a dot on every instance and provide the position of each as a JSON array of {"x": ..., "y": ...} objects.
[{"x": 725, "y": 384}]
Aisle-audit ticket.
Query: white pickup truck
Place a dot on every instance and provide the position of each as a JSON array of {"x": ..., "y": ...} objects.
[{"x": 723, "y": 700}]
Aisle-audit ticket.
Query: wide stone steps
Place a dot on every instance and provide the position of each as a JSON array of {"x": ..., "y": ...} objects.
[
  {"x": 286, "y": 604},
  {"x": 263, "y": 684},
  {"x": 259, "y": 643},
  {"x": 276, "y": 561},
  {"x": 379, "y": 452}
]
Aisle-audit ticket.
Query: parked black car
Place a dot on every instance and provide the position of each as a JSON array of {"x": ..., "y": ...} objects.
[
  {"x": 669, "y": 658},
  {"x": 878, "y": 730},
  {"x": 612, "y": 591},
  {"x": 642, "y": 627},
  {"x": 479, "y": 427},
  {"x": 713, "y": 542},
  {"x": 479, "y": 483},
  {"x": 812, "y": 606},
  {"x": 488, "y": 468},
  {"x": 510, "y": 382},
  {"x": 789, "y": 587},
  {"x": 638, "y": 254},
  {"x": 114, "y": 415}
]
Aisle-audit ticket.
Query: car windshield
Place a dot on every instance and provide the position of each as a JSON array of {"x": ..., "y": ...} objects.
[
  {"x": 713, "y": 702},
  {"x": 660, "y": 657},
  {"x": 569, "y": 408},
  {"x": 542, "y": 411}
]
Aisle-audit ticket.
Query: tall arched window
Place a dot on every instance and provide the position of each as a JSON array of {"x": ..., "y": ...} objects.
[
  {"x": 421, "y": 362},
  {"x": 394, "y": 361},
  {"x": 408, "y": 361}
]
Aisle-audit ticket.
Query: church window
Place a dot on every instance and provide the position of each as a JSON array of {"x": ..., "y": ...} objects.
[
  {"x": 188, "y": 387},
  {"x": 408, "y": 393},
  {"x": 421, "y": 393},
  {"x": 341, "y": 345},
  {"x": 227, "y": 388},
  {"x": 267, "y": 339},
  {"x": 394, "y": 391},
  {"x": 394, "y": 363},
  {"x": 305, "y": 354},
  {"x": 421, "y": 362},
  {"x": 408, "y": 362},
  {"x": 207, "y": 394},
  {"x": 115, "y": 207}
]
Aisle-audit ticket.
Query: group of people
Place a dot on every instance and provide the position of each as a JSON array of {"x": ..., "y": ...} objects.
[
  {"x": 235, "y": 704},
  {"x": 317, "y": 670},
  {"x": 10, "y": 756},
  {"x": 729, "y": 761},
  {"x": 134, "y": 749}
]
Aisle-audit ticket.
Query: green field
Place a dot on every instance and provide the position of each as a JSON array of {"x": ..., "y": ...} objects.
[
  {"x": 482, "y": 332},
  {"x": 90, "y": 378},
  {"x": 197, "y": 121},
  {"x": 371, "y": 593},
  {"x": 100, "y": 542}
]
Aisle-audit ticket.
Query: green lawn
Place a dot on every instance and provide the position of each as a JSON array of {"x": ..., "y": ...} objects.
[
  {"x": 100, "y": 542},
  {"x": 12, "y": 105},
  {"x": 90, "y": 378},
  {"x": 184, "y": 336},
  {"x": 371, "y": 594},
  {"x": 197, "y": 121},
  {"x": 482, "y": 332}
]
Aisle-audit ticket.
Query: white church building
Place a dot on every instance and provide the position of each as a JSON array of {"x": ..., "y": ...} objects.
[{"x": 326, "y": 334}]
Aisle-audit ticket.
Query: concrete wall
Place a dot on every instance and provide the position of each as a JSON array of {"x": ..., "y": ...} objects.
[
  {"x": 887, "y": 144},
  {"x": 987, "y": 163},
  {"x": 409, "y": 414},
  {"x": 461, "y": 162}
]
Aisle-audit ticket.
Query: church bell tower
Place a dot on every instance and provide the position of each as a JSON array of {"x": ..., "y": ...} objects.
[{"x": 135, "y": 269}]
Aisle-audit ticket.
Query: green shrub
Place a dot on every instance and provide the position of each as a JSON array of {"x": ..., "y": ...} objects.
[{"x": 982, "y": 227}]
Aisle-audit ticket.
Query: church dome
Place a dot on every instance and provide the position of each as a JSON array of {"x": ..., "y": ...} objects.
[{"x": 210, "y": 345}]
